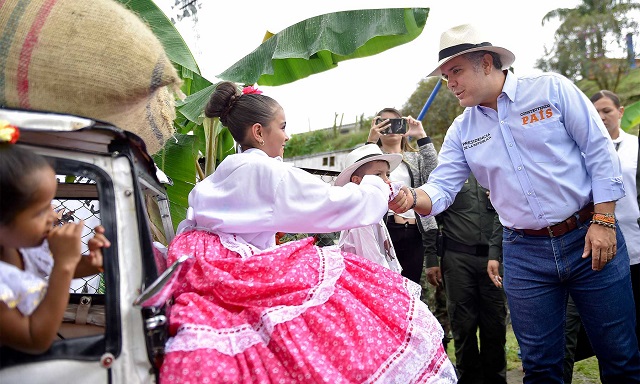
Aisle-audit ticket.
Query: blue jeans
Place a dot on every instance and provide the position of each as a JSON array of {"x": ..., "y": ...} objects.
[{"x": 539, "y": 274}]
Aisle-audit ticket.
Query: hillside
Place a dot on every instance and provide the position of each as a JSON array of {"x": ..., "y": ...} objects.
[{"x": 324, "y": 141}]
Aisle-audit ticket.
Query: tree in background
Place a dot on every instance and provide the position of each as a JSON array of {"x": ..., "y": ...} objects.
[
  {"x": 443, "y": 110},
  {"x": 586, "y": 41},
  {"x": 185, "y": 9}
]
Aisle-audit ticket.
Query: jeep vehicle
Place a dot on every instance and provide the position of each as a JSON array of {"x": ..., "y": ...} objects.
[{"x": 115, "y": 326}]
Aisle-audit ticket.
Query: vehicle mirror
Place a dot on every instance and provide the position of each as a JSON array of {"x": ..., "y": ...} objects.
[{"x": 157, "y": 294}]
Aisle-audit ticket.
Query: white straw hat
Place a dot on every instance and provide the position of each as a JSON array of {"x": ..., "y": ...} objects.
[
  {"x": 362, "y": 155},
  {"x": 466, "y": 38}
]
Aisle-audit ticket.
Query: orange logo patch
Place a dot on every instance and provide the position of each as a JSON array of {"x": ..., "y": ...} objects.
[{"x": 536, "y": 114}]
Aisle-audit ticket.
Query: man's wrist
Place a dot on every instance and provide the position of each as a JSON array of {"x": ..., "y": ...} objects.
[{"x": 415, "y": 198}]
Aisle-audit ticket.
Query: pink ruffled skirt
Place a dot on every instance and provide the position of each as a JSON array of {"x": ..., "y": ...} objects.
[{"x": 297, "y": 313}]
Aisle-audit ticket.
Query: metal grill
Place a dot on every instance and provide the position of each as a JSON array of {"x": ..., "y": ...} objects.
[{"x": 75, "y": 209}]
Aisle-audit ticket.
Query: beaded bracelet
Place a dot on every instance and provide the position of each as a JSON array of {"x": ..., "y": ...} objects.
[
  {"x": 415, "y": 198},
  {"x": 603, "y": 223},
  {"x": 604, "y": 219},
  {"x": 609, "y": 215}
]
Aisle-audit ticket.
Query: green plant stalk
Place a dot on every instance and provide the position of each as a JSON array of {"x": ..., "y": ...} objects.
[{"x": 211, "y": 140}]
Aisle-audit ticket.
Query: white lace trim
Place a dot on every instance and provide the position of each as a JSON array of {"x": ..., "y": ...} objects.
[
  {"x": 237, "y": 244},
  {"x": 412, "y": 361},
  {"x": 235, "y": 340}
]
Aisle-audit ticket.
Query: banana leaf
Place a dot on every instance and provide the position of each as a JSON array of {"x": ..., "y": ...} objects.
[
  {"x": 173, "y": 43},
  {"x": 631, "y": 116},
  {"x": 177, "y": 158},
  {"x": 319, "y": 43},
  {"x": 323, "y": 42}
]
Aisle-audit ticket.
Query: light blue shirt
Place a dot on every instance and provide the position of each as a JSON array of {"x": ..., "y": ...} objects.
[{"x": 544, "y": 154}]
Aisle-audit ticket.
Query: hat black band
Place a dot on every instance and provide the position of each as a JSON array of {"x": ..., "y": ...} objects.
[
  {"x": 454, "y": 50},
  {"x": 367, "y": 156}
]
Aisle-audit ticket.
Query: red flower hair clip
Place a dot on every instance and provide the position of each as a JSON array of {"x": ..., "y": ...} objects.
[
  {"x": 251, "y": 90},
  {"x": 8, "y": 133}
]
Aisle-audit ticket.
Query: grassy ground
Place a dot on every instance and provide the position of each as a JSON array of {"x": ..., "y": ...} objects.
[{"x": 584, "y": 372}]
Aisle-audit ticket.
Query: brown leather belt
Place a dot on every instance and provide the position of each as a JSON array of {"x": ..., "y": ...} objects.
[{"x": 562, "y": 227}]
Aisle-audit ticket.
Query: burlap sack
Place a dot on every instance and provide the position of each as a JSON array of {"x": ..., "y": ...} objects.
[{"x": 90, "y": 58}]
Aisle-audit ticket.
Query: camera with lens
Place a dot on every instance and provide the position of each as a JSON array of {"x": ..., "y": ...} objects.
[{"x": 397, "y": 126}]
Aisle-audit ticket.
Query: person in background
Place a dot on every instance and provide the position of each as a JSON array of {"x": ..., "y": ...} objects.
[
  {"x": 372, "y": 241},
  {"x": 38, "y": 259},
  {"x": 627, "y": 212},
  {"x": 412, "y": 236},
  {"x": 538, "y": 144},
  {"x": 475, "y": 303},
  {"x": 251, "y": 311}
]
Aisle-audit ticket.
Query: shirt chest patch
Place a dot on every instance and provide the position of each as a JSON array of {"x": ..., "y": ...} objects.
[
  {"x": 477, "y": 141},
  {"x": 536, "y": 114}
]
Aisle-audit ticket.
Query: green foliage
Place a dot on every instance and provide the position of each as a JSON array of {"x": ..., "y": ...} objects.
[
  {"x": 629, "y": 92},
  {"x": 179, "y": 156},
  {"x": 586, "y": 371},
  {"x": 443, "y": 110},
  {"x": 302, "y": 144},
  {"x": 631, "y": 116},
  {"x": 283, "y": 58},
  {"x": 586, "y": 38},
  {"x": 319, "y": 43},
  {"x": 305, "y": 143}
]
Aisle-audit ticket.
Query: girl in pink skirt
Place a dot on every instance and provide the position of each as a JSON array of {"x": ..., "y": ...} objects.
[{"x": 251, "y": 311}]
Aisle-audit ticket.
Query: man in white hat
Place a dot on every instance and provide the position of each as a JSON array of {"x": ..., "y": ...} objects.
[
  {"x": 372, "y": 242},
  {"x": 538, "y": 144}
]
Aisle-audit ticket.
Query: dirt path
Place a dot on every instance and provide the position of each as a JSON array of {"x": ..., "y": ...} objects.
[{"x": 514, "y": 376}]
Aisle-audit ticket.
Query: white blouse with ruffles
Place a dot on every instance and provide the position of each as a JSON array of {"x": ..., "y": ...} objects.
[{"x": 253, "y": 196}]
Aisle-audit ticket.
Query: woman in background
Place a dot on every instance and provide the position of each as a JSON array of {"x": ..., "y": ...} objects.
[{"x": 411, "y": 235}]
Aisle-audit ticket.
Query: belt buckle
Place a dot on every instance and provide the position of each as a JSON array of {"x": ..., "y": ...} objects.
[{"x": 550, "y": 231}]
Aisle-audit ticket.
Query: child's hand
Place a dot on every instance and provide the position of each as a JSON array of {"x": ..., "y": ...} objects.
[
  {"x": 65, "y": 245},
  {"x": 95, "y": 245}
]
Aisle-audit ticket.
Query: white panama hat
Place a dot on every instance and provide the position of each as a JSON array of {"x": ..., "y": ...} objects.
[
  {"x": 466, "y": 38},
  {"x": 362, "y": 155}
]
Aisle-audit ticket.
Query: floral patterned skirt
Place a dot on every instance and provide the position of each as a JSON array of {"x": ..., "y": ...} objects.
[{"x": 297, "y": 313}]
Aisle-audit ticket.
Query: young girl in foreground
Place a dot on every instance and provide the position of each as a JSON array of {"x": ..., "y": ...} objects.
[
  {"x": 251, "y": 311},
  {"x": 31, "y": 248}
]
